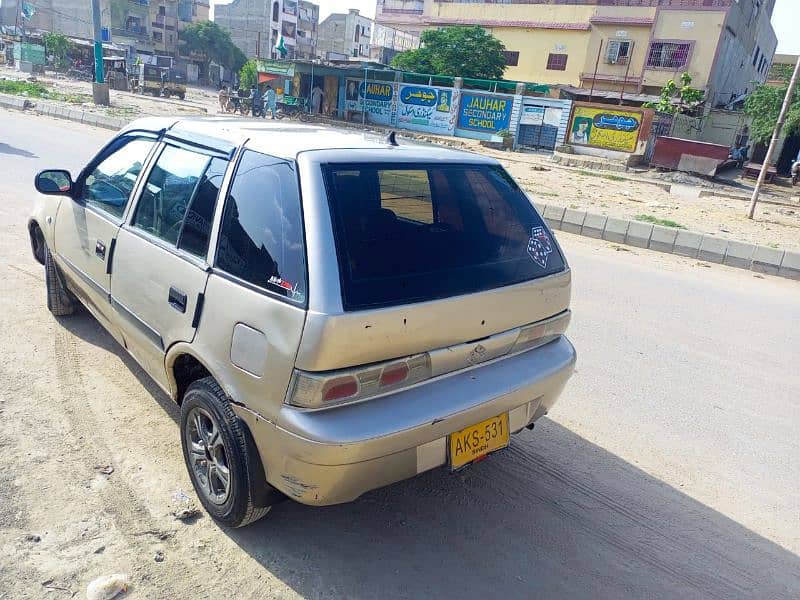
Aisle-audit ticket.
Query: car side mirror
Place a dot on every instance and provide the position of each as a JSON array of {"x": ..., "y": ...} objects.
[{"x": 54, "y": 182}]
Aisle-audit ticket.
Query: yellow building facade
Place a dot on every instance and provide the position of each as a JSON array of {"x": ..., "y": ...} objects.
[{"x": 725, "y": 45}]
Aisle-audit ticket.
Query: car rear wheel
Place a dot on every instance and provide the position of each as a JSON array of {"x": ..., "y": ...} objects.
[
  {"x": 60, "y": 300},
  {"x": 223, "y": 464}
]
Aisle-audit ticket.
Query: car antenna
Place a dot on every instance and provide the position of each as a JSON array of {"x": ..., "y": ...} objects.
[{"x": 391, "y": 139}]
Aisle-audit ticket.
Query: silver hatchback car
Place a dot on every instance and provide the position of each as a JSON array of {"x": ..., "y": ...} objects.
[{"x": 333, "y": 313}]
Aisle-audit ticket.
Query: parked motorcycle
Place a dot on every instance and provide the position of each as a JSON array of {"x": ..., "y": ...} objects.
[
  {"x": 293, "y": 108},
  {"x": 795, "y": 172}
]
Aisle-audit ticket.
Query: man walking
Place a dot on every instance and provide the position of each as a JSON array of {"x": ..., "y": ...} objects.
[
  {"x": 270, "y": 101},
  {"x": 316, "y": 99}
]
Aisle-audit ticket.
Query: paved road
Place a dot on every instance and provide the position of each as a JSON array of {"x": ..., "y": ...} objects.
[{"x": 669, "y": 469}]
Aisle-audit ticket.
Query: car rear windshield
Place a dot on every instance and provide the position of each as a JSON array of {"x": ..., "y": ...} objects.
[{"x": 415, "y": 232}]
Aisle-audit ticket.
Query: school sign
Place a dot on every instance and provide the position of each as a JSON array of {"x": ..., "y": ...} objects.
[{"x": 487, "y": 114}]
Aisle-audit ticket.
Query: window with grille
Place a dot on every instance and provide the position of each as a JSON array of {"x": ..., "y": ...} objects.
[
  {"x": 512, "y": 58},
  {"x": 668, "y": 55},
  {"x": 618, "y": 52},
  {"x": 557, "y": 62}
]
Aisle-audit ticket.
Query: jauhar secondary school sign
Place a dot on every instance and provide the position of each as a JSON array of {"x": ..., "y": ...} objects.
[{"x": 484, "y": 113}]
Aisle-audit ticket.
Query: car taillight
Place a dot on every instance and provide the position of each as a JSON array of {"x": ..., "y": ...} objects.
[
  {"x": 542, "y": 332},
  {"x": 321, "y": 390}
]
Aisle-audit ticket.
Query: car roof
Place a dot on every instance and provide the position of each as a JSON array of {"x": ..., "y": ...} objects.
[{"x": 287, "y": 139}]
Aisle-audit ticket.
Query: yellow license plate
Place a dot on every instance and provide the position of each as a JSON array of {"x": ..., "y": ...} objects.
[{"x": 478, "y": 440}]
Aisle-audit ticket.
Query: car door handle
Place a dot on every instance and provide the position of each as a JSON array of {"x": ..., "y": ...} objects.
[
  {"x": 177, "y": 300},
  {"x": 100, "y": 250}
]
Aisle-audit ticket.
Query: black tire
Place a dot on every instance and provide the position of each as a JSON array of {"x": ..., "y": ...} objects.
[
  {"x": 60, "y": 300},
  {"x": 248, "y": 497}
]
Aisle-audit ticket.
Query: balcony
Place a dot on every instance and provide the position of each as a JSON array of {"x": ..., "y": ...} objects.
[{"x": 138, "y": 32}]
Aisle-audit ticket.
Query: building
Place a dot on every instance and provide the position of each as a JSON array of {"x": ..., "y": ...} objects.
[
  {"x": 387, "y": 42},
  {"x": 345, "y": 36},
  {"x": 256, "y": 26},
  {"x": 781, "y": 70},
  {"x": 725, "y": 45},
  {"x": 307, "y": 23},
  {"x": 139, "y": 26}
]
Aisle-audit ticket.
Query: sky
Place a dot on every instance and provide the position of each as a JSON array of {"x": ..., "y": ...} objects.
[{"x": 785, "y": 19}]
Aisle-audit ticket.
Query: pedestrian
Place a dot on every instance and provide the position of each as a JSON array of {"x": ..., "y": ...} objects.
[
  {"x": 223, "y": 99},
  {"x": 270, "y": 101},
  {"x": 316, "y": 99},
  {"x": 257, "y": 108}
]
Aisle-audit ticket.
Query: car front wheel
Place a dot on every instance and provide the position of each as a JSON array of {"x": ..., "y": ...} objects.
[{"x": 223, "y": 464}]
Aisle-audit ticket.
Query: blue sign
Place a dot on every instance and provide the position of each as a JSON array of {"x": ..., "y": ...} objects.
[
  {"x": 488, "y": 114},
  {"x": 616, "y": 122},
  {"x": 376, "y": 90},
  {"x": 419, "y": 96}
]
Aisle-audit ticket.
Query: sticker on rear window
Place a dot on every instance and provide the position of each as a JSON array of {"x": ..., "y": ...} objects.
[{"x": 540, "y": 246}]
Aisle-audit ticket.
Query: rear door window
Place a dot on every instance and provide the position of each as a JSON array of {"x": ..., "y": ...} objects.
[
  {"x": 420, "y": 232},
  {"x": 261, "y": 237}
]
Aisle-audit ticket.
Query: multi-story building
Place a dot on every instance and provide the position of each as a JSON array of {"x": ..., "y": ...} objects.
[
  {"x": 387, "y": 42},
  {"x": 725, "y": 45},
  {"x": 345, "y": 35},
  {"x": 256, "y": 26},
  {"x": 307, "y": 23},
  {"x": 140, "y": 26}
]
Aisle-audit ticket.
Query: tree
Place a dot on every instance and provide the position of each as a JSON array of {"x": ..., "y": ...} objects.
[
  {"x": 763, "y": 106},
  {"x": 456, "y": 51},
  {"x": 214, "y": 42},
  {"x": 59, "y": 46},
  {"x": 687, "y": 97},
  {"x": 248, "y": 76}
]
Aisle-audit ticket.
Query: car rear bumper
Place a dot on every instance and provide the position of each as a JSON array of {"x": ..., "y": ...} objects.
[{"x": 333, "y": 456}]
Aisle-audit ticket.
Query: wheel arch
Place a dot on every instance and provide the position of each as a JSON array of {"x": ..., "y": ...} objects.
[
  {"x": 183, "y": 367},
  {"x": 37, "y": 240}
]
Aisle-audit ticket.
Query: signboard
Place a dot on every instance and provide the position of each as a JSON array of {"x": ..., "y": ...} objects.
[
  {"x": 605, "y": 128},
  {"x": 31, "y": 53},
  {"x": 373, "y": 97},
  {"x": 532, "y": 115},
  {"x": 277, "y": 67},
  {"x": 425, "y": 108},
  {"x": 487, "y": 114}
]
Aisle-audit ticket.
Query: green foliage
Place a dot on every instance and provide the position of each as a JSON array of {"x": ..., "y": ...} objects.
[
  {"x": 763, "y": 105},
  {"x": 609, "y": 176},
  {"x": 248, "y": 76},
  {"x": 658, "y": 221},
  {"x": 778, "y": 72},
  {"x": 32, "y": 89},
  {"x": 59, "y": 46},
  {"x": 211, "y": 40},
  {"x": 456, "y": 51},
  {"x": 687, "y": 96}
]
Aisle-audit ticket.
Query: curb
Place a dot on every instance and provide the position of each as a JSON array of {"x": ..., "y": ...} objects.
[
  {"x": 62, "y": 112},
  {"x": 741, "y": 255}
]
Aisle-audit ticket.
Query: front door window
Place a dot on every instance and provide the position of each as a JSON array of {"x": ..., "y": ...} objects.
[{"x": 110, "y": 184}]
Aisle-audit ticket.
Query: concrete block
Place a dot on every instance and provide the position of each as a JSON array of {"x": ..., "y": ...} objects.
[
  {"x": 739, "y": 254},
  {"x": 712, "y": 249},
  {"x": 615, "y": 230},
  {"x": 639, "y": 234},
  {"x": 573, "y": 220},
  {"x": 767, "y": 260},
  {"x": 790, "y": 267},
  {"x": 687, "y": 243},
  {"x": 593, "y": 225},
  {"x": 554, "y": 215},
  {"x": 663, "y": 238}
]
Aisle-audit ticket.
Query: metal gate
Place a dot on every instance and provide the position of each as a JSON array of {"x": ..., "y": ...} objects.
[
  {"x": 662, "y": 126},
  {"x": 538, "y": 136}
]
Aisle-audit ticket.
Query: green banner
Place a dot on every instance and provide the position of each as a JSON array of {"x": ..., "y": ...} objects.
[
  {"x": 277, "y": 67},
  {"x": 32, "y": 53}
]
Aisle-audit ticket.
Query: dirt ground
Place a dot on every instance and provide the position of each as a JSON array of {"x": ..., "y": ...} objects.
[{"x": 776, "y": 223}]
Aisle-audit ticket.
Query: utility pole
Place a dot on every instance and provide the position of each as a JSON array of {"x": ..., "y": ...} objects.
[
  {"x": 787, "y": 102},
  {"x": 99, "y": 88}
]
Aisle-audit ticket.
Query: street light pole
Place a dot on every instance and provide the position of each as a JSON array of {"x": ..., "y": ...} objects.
[
  {"x": 787, "y": 102},
  {"x": 99, "y": 88}
]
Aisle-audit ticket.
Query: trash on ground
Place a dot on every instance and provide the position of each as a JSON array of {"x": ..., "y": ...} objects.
[
  {"x": 107, "y": 587},
  {"x": 186, "y": 513},
  {"x": 159, "y": 556}
]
